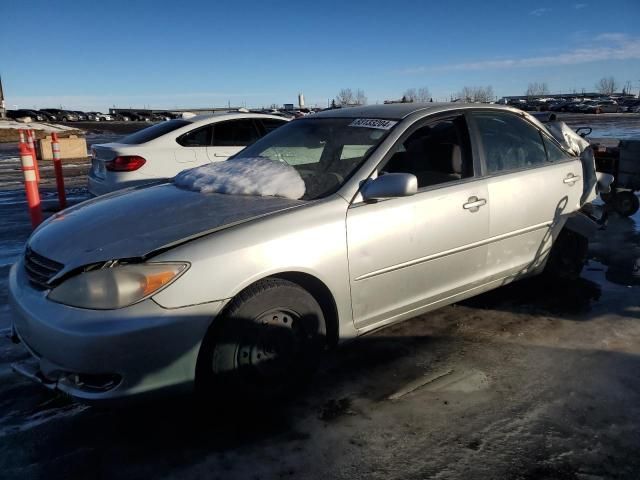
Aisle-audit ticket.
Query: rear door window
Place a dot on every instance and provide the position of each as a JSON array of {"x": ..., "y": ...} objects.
[
  {"x": 235, "y": 133},
  {"x": 270, "y": 124},
  {"x": 200, "y": 137},
  {"x": 509, "y": 142}
]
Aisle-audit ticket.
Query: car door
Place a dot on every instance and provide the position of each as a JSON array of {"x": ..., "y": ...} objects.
[
  {"x": 409, "y": 252},
  {"x": 531, "y": 192},
  {"x": 193, "y": 147},
  {"x": 231, "y": 136}
]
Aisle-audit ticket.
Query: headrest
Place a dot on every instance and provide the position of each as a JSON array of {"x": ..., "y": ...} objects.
[{"x": 456, "y": 159}]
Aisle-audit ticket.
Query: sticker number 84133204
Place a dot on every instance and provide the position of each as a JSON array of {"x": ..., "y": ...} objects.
[{"x": 373, "y": 123}]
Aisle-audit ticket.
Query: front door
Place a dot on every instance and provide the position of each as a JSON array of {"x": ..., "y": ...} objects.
[{"x": 406, "y": 253}]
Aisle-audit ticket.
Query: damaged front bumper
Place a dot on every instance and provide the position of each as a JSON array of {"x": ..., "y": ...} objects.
[{"x": 106, "y": 355}]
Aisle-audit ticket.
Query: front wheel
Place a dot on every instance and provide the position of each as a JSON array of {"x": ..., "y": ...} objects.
[{"x": 269, "y": 339}]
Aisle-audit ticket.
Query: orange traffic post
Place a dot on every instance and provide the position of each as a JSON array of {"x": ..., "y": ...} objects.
[
  {"x": 32, "y": 147},
  {"x": 57, "y": 165},
  {"x": 30, "y": 185}
]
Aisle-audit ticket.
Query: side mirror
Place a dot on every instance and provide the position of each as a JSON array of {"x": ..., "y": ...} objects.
[{"x": 390, "y": 185}]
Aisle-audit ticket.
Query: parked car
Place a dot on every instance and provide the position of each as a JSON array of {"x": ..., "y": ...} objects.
[
  {"x": 119, "y": 117},
  {"x": 628, "y": 105},
  {"x": 61, "y": 115},
  {"x": 144, "y": 116},
  {"x": 576, "y": 106},
  {"x": 47, "y": 117},
  {"x": 132, "y": 116},
  {"x": 34, "y": 115},
  {"x": 560, "y": 106},
  {"x": 25, "y": 116},
  {"x": 82, "y": 117},
  {"x": 601, "y": 106},
  {"x": 167, "y": 115},
  {"x": 163, "y": 150},
  {"x": 398, "y": 210}
]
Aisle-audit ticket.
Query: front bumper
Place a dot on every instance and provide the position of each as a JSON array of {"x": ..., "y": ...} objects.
[{"x": 143, "y": 348}]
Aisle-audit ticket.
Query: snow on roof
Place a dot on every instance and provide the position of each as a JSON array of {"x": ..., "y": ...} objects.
[{"x": 257, "y": 176}]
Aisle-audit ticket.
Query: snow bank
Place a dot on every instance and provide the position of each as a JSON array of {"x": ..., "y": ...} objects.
[
  {"x": 47, "y": 127},
  {"x": 256, "y": 176},
  {"x": 568, "y": 137}
]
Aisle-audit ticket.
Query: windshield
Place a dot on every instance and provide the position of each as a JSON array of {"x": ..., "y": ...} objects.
[
  {"x": 153, "y": 132},
  {"x": 325, "y": 152}
]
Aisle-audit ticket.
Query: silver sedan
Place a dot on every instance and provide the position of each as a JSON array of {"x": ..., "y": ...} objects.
[{"x": 406, "y": 208}]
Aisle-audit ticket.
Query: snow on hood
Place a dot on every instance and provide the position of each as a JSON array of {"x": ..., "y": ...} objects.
[
  {"x": 568, "y": 137},
  {"x": 256, "y": 176}
]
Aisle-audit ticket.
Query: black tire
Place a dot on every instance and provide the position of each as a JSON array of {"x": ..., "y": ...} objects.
[
  {"x": 64, "y": 119},
  {"x": 607, "y": 197},
  {"x": 567, "y": 257},
  {"x": 268, "y": 340},
  {"x": 626, "y": 203}
]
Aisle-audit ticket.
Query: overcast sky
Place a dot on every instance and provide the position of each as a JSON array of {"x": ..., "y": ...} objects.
[{"x": 167, "y": 54}]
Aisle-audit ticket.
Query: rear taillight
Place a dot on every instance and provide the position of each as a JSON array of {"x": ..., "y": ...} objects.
[{"x": 127, "y": 163}]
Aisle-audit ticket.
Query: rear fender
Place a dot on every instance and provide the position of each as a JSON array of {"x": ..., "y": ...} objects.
[{"x": 582, "y": 224}]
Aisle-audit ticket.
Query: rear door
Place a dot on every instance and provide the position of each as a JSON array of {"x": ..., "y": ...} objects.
[
  {"x": 193, "y": 146},
  {"x": 533, "y": 188},
  {"x": 231, "y": 136}
]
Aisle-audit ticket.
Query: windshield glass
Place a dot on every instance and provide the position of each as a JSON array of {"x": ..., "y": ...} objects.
[
  {"x": 325, "y": 152},
  {"x": 153, "y": 132}
]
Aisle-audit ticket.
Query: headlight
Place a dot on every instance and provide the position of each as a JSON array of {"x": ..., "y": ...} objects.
[{"x": 116, "y": 287}]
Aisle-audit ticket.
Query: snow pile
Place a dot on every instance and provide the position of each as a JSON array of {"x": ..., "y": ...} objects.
[
  {"x": 47, "y": 127},
  {"x": 567, "y": 137},
  {"x": 256, "y": 176}
]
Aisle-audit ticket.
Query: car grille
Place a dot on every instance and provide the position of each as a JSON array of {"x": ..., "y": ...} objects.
[{"x": 40, "y": 269}]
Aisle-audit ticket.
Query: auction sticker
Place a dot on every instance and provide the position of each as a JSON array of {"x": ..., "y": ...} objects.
[{"x": 373, "y": 123}]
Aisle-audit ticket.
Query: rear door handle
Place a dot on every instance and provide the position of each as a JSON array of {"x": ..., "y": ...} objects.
[
  {"x": 474, "y": 204},
  {"x": 571, "y": 179}
]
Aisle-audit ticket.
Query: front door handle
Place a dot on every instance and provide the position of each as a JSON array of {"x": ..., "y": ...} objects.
[
  {"x": 571, "y": 179},
  {"x": 474, "y": 204}
]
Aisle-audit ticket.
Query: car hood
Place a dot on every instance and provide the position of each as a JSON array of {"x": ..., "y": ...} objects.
[{"x": 133, "y": 223}]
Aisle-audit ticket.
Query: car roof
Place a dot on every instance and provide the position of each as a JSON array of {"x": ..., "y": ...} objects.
[
  {"x": 398, "y": 111},
  {"x": 207, "y": 118}
]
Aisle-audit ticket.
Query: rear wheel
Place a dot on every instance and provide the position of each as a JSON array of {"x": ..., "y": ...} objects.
[
  {"x": 267, "y": 342},
  {"x": 607, "y": 197},
  {"x": 626, "y": 203},
  {"x": 567, "y": 257}
]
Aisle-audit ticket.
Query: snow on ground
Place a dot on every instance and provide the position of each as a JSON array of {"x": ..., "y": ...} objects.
[
  {"x": 257, "y": 176},
  {"x": 47, "y": 127}
]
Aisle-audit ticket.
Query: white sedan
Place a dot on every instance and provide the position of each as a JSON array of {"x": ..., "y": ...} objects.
[{"x": 163, "y": 150}]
